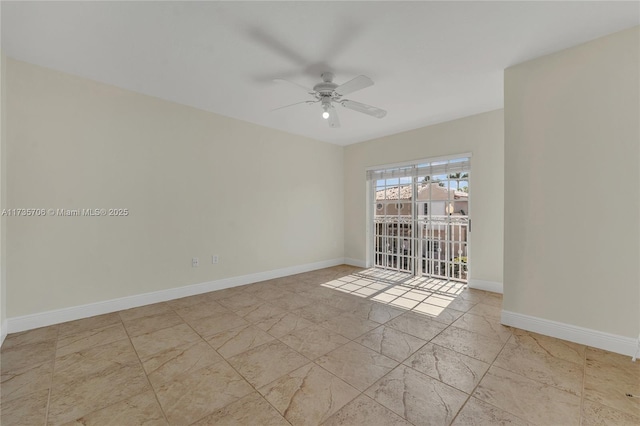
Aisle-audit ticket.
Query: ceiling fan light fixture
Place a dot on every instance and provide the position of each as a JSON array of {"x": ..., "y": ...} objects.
[{"x": 325, "y": 113}]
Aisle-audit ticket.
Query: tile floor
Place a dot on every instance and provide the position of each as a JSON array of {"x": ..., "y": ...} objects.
[{"x": 338, "y": 346}]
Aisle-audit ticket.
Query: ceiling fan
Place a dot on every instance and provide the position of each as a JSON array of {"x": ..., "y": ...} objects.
[{"x": 328, "y": 93}]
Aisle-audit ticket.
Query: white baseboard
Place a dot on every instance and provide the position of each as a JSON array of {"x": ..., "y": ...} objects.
[
  {"x": 585, "y": 336},
  {"x": 3, "y": 331},
  {"x": 355, "y": 262},
  {"x": 42, "y": 319},
  {"x": 492, "y": 286}
]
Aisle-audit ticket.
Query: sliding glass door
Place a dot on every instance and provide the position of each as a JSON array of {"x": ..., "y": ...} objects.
[{"x": 420, "y": 215}]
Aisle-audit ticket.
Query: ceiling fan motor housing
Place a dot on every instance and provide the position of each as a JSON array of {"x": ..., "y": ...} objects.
[{"x": 325, "y": 88}]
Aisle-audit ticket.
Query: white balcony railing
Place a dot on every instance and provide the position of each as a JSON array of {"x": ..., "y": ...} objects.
[{"x": 430, "y": 245}]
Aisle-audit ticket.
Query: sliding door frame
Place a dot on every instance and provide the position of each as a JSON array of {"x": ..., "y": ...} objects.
[{"x": 370, "y": 210}]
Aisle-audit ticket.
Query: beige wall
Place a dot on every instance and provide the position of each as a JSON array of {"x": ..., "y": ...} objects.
[
  {"x": 3, "y": 200},
  {"x": 572, "y": 139},
  {"x": 483, "y": 136},
  {"x": 195, "y": 183}
]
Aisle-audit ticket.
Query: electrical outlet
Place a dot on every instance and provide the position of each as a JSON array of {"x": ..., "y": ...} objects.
[
  {"x": 195, "y": 262},
  {"x": 214, "y": 259}
]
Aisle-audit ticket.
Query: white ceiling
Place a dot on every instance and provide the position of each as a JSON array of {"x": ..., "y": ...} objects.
[{"x": 431, "y": 61}]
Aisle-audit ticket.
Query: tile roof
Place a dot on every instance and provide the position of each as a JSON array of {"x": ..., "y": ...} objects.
[{"x": 403, "y": 192}]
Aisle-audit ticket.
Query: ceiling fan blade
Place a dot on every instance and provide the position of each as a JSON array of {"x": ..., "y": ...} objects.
[
  {"x": 364, "y": 108},
  {"x": 297, "y": 103},
  {"x": 360, "y": 82},
  {"x": 334, "y": 122},
  {"x": 277, "y": 46},
  {"x": 299, "y": 86}
]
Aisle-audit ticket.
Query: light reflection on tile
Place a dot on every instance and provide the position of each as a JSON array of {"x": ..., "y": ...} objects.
[
  {"x": 350, "y": 287},
  {"x": 442, "y": 301},
  {"x": 417, "y": 295},
  {"x": 443, "y": 315},
  {"x": 398, "y": 291},
  {"x": 377, "y": 286},
  {"x": 384, "y": 297},
  {"x": 404, "y": 303},
  {"x": 365, "y": 291},
  {"x": 428, "y": 309}
]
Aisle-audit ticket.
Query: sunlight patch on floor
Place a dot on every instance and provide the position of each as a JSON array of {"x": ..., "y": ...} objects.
[{"x": 423, "y": 295}]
